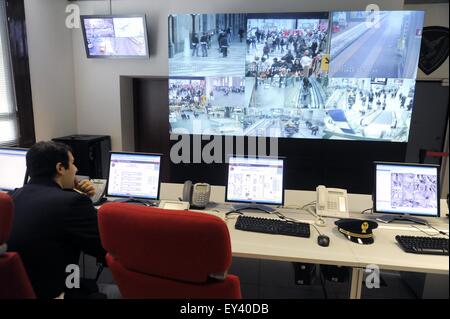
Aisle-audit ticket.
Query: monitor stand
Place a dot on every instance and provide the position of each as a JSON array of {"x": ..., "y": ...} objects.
[
  {"x": 263, "y": 208},
  {"x": 390, "y": 218}
]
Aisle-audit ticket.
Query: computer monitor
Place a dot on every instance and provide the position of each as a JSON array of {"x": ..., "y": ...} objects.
[
  {"x": 115, "y": 36},
  {"x": 134, "y": 176},
  {"x": 13, "y": 168},
  {"x": 403, "y": 190},
  {"x": 255, "y": 181}
]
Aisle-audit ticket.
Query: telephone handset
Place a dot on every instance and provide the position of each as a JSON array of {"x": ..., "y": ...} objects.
[
  {"x": 197, "y": 195},
  {"x": 100, "y": 188},
  {"x": 332, "y": 202}
]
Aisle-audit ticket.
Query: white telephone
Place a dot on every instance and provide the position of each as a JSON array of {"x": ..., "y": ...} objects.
[{"x": 332, "y": 202}]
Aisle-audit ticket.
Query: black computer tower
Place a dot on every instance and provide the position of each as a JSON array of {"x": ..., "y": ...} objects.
[{"x": 91, "y": 153}]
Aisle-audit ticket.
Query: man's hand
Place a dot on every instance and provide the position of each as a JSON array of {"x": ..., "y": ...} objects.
[{"x": 86, "y": 187}]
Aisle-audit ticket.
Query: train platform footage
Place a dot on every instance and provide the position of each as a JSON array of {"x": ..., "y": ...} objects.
[{"x": 385, "y": 44}]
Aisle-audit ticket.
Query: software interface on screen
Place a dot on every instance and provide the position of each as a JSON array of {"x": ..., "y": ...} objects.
[
  {"x": 13, "y": 168},
  {"x": 406, "y": 189},
  {"x": 115, "y": 36},
  {"x": 134, "y": 175},
  {"x": 253, "y": 180},
  {"x": 323, "y": 75}
]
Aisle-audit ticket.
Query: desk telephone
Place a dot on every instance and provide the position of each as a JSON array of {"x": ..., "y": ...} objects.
[
  {"x": 100, "y": 188},
  {"x": 332, "y": 202},
  {"x": 197, "y": 195}
]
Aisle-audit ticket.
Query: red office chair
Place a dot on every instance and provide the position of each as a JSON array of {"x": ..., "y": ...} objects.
[
  {"x": 14, "y": 282},
  {"x": 156, "y": 253}
]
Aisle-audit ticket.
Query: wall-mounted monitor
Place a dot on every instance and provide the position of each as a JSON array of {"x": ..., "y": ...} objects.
[
  {"x": 117, "y": 36},
  {"x": 318, "y": 75}
]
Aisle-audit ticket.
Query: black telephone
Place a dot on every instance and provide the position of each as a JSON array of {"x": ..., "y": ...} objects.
[{"x": 197, "y": 195}]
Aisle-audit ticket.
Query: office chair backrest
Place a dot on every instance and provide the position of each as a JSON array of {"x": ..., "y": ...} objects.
[
  {"x": 155, "y": 253},
  {"x": 14, "y": 281}
]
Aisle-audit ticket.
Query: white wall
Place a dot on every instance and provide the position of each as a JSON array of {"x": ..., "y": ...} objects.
[
  {"x": 51, "y": 68},
  {"x": 436, "y": 14},
  {"x": 97, "y": 82}
]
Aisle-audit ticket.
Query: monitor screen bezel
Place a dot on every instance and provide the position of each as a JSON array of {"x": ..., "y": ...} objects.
[
  {"x": 283, "y": 159},
  {"x": 139, "y": 57},
  {"x": 134, "y": 197},
  {"x": 25, "y": 177},
  {"x": 374, "y": 194}
]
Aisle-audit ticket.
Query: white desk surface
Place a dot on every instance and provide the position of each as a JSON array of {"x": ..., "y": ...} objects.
[
  {"x": 384, "y": 252},
  {"x": 289, "y": 248},
  {"x": 387, "y": 254}
]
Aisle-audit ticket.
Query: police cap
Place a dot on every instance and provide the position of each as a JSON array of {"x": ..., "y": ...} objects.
[{"x": 357, "y": 230}]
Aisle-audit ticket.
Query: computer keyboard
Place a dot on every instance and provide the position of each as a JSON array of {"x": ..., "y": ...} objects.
[
  {"x": 272, "y": 226},
  {"x": 423, "y": 245}
]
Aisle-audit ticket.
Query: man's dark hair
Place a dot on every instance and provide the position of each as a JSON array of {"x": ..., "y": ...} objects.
[{"x": 43, "y": 157}]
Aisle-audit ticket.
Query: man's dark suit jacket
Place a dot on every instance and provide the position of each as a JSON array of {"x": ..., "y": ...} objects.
[{"x": 50, "y": 228}]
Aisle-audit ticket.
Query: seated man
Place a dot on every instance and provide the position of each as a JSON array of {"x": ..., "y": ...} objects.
[{"x": 54, "y": 219}]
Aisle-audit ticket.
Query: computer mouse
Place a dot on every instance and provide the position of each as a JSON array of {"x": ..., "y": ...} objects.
[{"x": 323, "y": 240}]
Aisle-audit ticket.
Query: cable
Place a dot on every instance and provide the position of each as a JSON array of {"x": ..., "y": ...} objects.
[
  {"x": 232, "y": 212},
  {"x": 317, "y": 230},
  {"x": 314, "y": 214},
  {"x": 110, "y": 7},
  {"x": 284, "y": 217},
  {"x": 322, "y": 281},
  {"x": 100, "y": 268},
  {"x": 439, "y": 231},
  {"x": 428, "y": 234},
  {"x": 368, "y": 209},
  {"x": 309, "y": 204},
  {"x": 298, "y": 207},
  {"x": 84, "y": 267}
]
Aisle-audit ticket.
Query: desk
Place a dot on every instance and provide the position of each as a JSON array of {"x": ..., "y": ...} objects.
[{"x": 385, "y": 252}]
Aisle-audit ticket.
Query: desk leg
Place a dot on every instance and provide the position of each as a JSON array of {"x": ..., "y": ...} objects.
[{"x": 356, "y": 283}]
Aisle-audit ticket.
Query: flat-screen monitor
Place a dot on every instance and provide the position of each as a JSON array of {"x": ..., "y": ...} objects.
[
  {"x": 13, "y": 167},
  {"x": 134, "y": 175},
  {"x": 115, "y": 36},
  {"x": 317, "y": 75},
  {"x": 406, "y": 189},
  {"x": 255, "y": 180}
]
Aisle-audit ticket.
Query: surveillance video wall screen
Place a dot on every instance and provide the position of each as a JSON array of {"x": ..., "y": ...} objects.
[{"x": 337, "y": 75}]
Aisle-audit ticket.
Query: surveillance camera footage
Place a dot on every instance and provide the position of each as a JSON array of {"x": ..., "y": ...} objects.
[
  {"x": 289, "y": 80},
  {"x": 413, "y": 190},
  {"x": 381, "y": 44},
  {"x": 115, "y": 36},
  {"x": 207, "y": 45}
]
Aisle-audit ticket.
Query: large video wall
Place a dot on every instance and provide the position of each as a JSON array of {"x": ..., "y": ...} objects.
[{"x": 338, "y": 75}]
